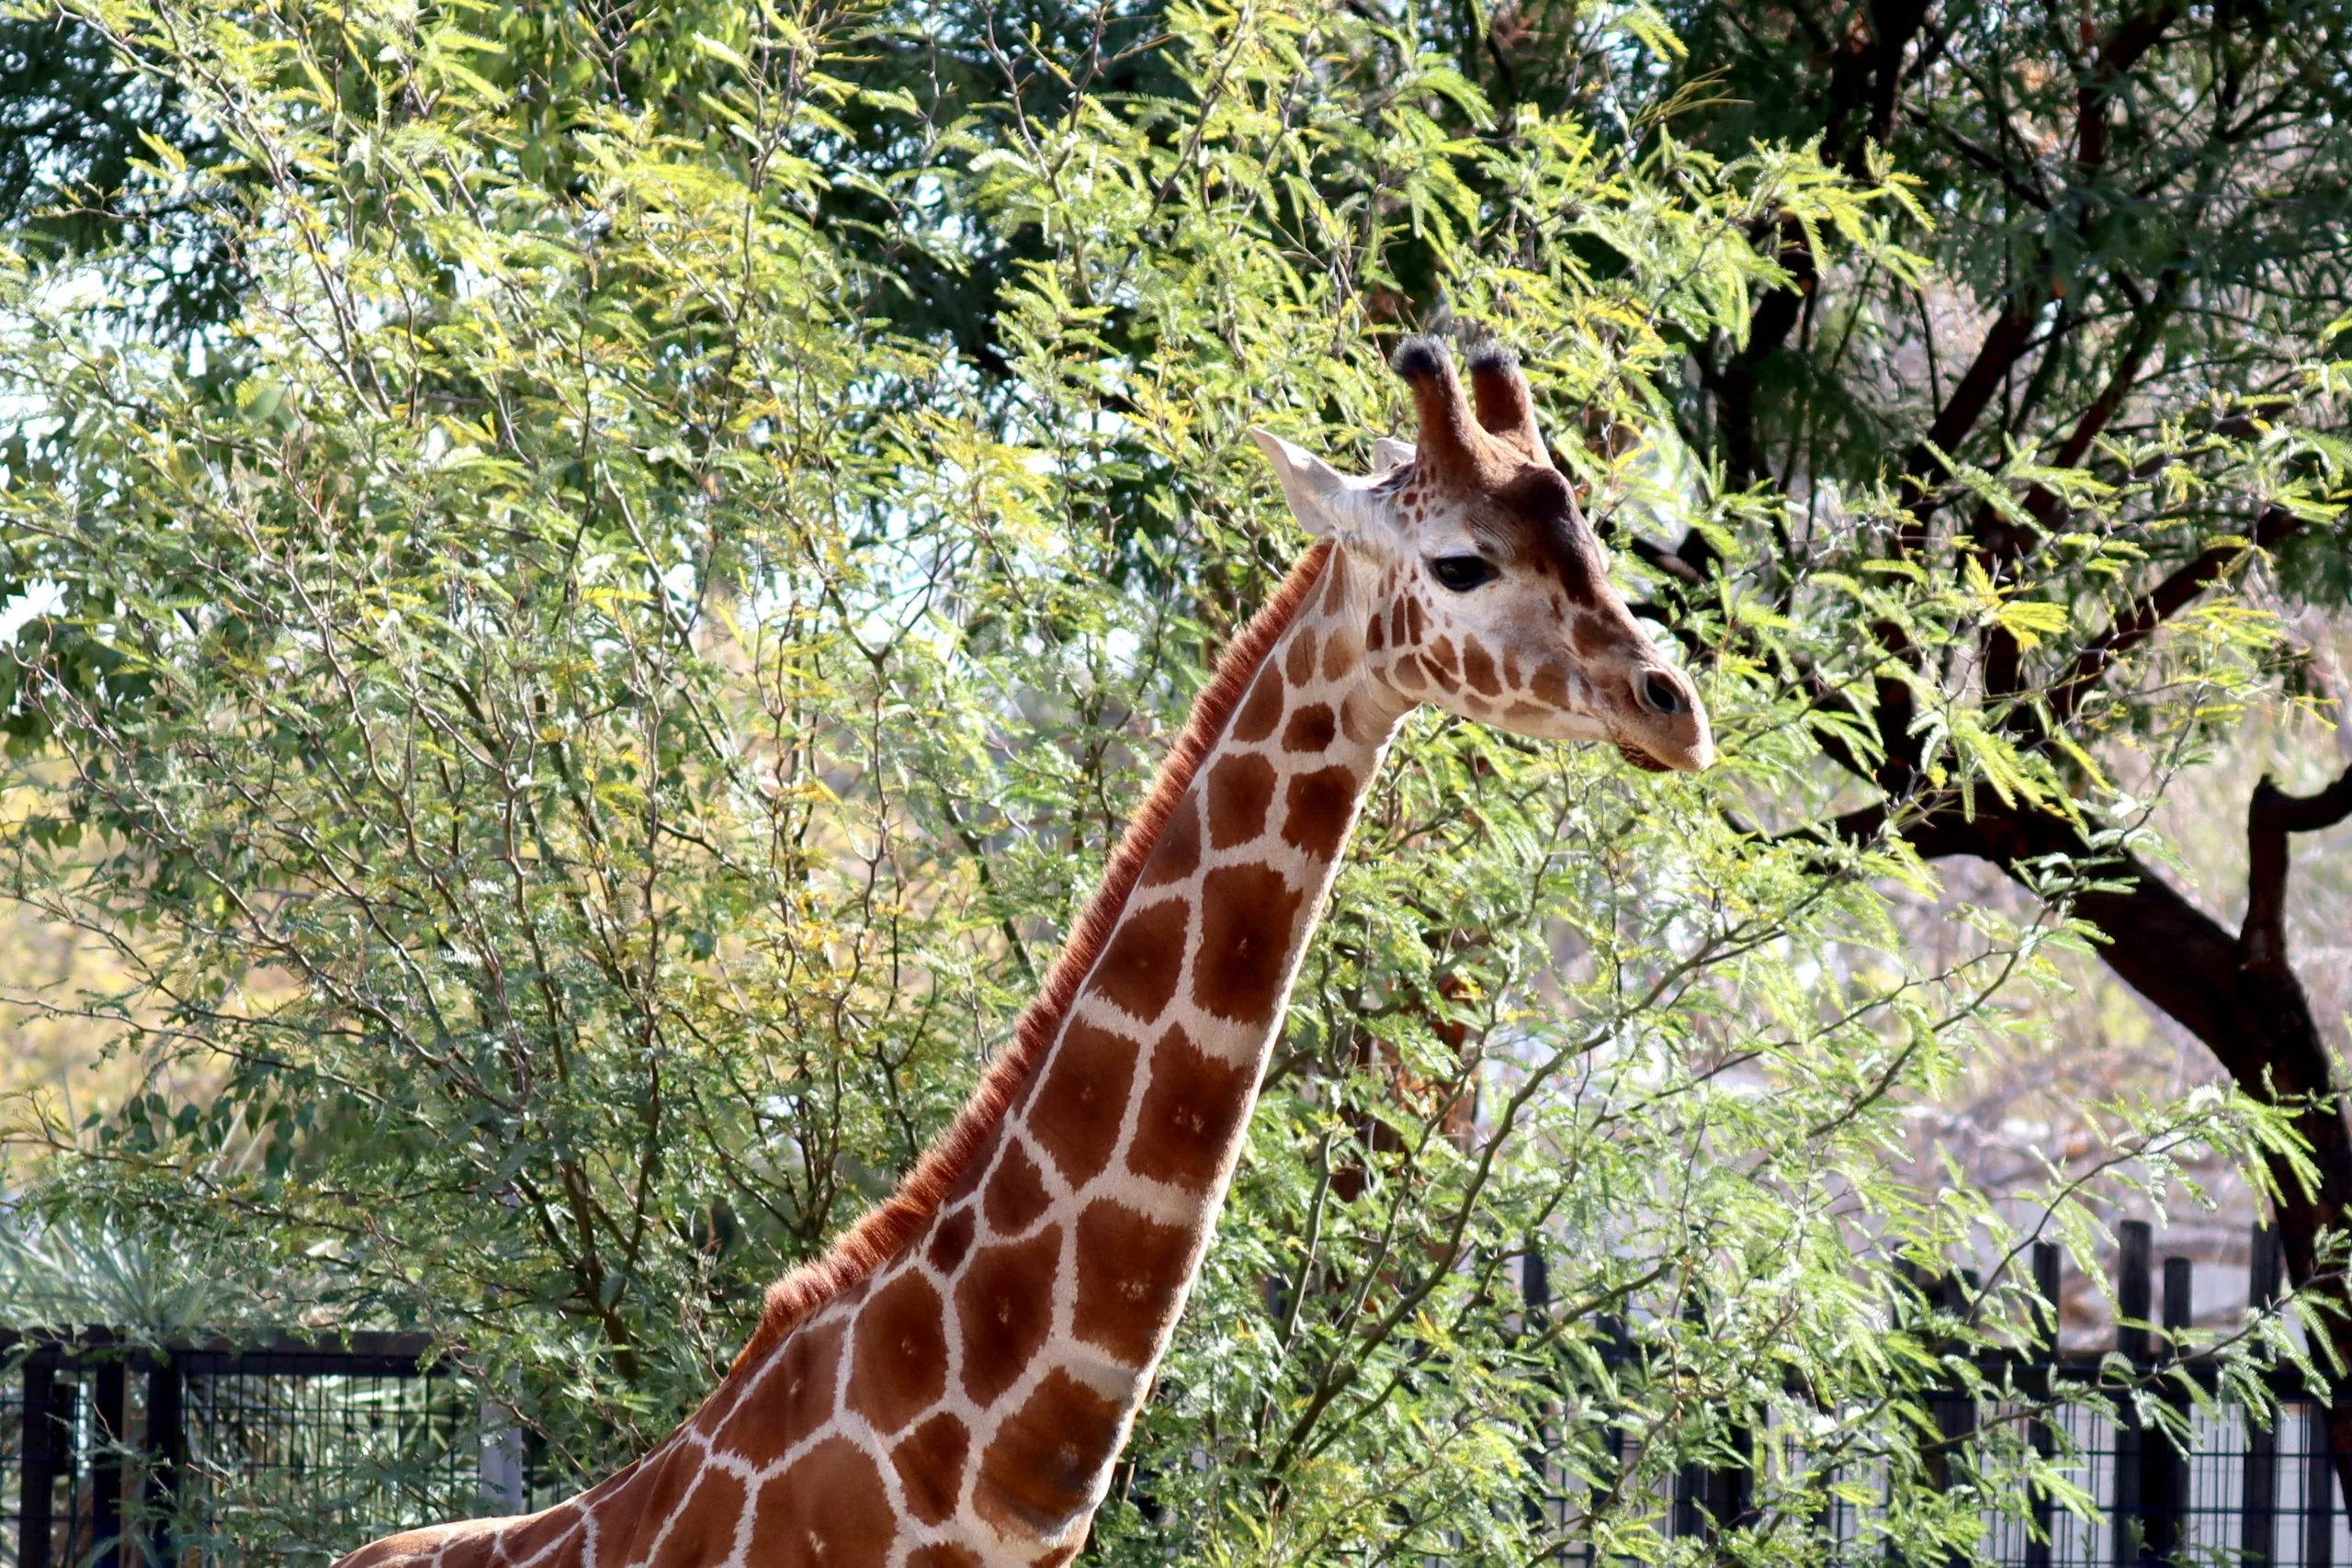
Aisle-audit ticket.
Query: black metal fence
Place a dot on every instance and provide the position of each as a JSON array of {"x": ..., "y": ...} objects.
[
  {"x": 2243, "y": 1492},
  {"x": 215, "y": 1452}
]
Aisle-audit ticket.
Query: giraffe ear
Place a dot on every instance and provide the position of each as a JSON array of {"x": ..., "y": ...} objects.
[
  {"x": 1387, "y": 454},
  {"x": 1317, "y": 493}
]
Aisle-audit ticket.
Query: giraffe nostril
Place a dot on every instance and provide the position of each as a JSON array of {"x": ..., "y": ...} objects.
[{"x": 1660, "y": 695}]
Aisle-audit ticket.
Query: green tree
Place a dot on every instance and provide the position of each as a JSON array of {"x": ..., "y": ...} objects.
[
  {"x": 2143, "y": 221},
  {"x": 583, "y": 701}
]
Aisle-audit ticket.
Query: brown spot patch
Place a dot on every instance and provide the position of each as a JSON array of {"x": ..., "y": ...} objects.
[
  {"x": 1310, "y": 728},
  {"x": 1246, "y": 913},
  {"x": 1189, "y": 1118},
  {"x": 1016, "y": 1194},
  {"x": 1439, "y": 655},
  {"x": 1039, "y": 1472},
  {"x": 1412, "y": 619},
  {"x": 1076, "y": 1116},
  {"x": 1591, "y": 639},
  {"x": 1407, "y": 673},
  {"x": 1525, "y": 713},
  {"x": 528, "y": 1540},
  {"x": 1479, "y": 668},
  {"x": 967, "y": 1181},
  {"x": 1341, "y": 652},
  {"x": 1396, "y": 623},
  {"x": 930, "y": 1463},
  {"x": 1444, "y": 680},
  {"x": 1551, "y": 684},
  {"x": 943, "y": 1555},
  {"x": 898, "y": 1368},
  {"x": 1374, "y": 637},
  {"x": 1335, "y": 588},
  {"x": 1316, "y": 811},
  {"x": 830, "y": 1510},
  {"x": 628, "y": 1516},
  {"x": 1240, "y": 789},
  {"x": 703, "y": 1533},
  {"x": 1138, "y": 973},
  {"x": 1004, "y": 1304},
  {"x": 1178, "y": 851},
  {"x": 1299, "y": 665},
  {"x": 1511, "y": 665},
  {"x": 1264, "y": 710},
  {"x": 1131, "y": 1275},
  {"x": 792, "y": 1399},
  {"x": 951, "y": 1241}
]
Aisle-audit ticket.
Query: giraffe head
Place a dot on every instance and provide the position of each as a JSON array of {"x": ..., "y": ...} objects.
[{"x": 1486, "y": 591}]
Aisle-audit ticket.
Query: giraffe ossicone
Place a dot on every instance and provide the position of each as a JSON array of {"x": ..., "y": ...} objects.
[{"x": 950, "y": 1386}]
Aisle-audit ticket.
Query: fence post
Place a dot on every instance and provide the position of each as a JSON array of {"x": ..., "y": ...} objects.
[
  {"x": 105, "y": 1460},
  {"x": 2133, "y": 1301},
  {"x": 1535, "y": 1307},
  {"x": 166, "y": 1452},
  {"x": 1612, "y": 1441},
  {"x": 2319, "y": 1490},
  {"x": 38, "y": 1466},
  {"x": 1956, "y": 1418},
  {"x": 1707, "y": 1500},
  {"x": 1683, "y": 1520},
  {"x": 1705, "y": 1497},
  {"x": 2258, "y": 1505},
  {"x": 2039, "y": 1380},
  {"x": 2164, "y": 1468}
]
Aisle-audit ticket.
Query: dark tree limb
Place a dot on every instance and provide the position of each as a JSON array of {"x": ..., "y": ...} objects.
[
  {"x": 2006, "y": 542},
  {"x": 2237, "y": 993},
  {"x": 2004, "y": 344},
  {"x": 2011, "y": 333},
  {"x": 2271, "y": 817},
  {"x": 2151, "y": 610},
  {"x": 1865, "y": 84}
]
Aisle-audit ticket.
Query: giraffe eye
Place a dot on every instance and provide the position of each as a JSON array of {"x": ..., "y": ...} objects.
[{"x": 1462, "y": 573}]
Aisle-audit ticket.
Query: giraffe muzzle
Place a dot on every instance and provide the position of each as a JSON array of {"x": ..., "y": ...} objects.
[{"x": 1674, "y": 734}]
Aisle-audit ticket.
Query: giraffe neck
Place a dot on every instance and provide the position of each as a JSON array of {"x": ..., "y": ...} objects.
[
  {"x": 1067, "y": 1253},
  {"x": 961, "y": 1405}
]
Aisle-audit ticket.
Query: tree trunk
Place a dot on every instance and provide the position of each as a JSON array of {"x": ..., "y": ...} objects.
[{"x": 2238, "y": 995}]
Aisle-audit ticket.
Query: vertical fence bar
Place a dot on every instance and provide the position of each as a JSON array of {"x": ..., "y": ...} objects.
[
  {"x": 1535, "y": 1307},
  {"x": 1956, "y": 1415},
  {"x": 2163, "y": 1468},
  {"x": 2319, "y": 1490},
  {"x": 36, "y": 1473},
  {"x": 2040, "y": 1375},
  {"x": 2132, "y": 1299},
  {"x": 2258, "y": 1502},
  {"x": 166, "y": 1452},
  {"x": 106, "y": 1461},
  {"x": 1612, "y": 1441},
  {"x": 1687, "y": 1521}
]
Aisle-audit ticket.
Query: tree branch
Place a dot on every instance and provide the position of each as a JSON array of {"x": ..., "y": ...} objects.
[
  {"x": 2152, "y": 609},
  {"x": 2270, "y": 817},
  {"x": 1866, "y": 78},
  {"x": 2005, "y": 543},
  {"x": 2239, "y": 997}
]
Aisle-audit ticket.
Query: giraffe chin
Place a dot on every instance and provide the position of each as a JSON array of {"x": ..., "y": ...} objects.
[{"x": 1642, "y": 758}]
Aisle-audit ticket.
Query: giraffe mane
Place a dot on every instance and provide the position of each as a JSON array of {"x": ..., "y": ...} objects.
[{"x": 897, "y": 1219}]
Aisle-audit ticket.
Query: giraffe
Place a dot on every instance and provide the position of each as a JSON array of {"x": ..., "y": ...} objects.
[{"x": 951, "y": 1384}]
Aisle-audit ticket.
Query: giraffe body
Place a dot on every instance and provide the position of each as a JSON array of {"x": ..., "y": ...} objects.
[{"x": 951, "y": 1387}]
